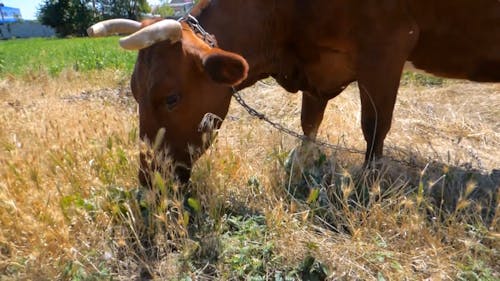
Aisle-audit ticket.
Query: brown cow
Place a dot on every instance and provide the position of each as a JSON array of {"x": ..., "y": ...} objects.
[{"x": 316, "y": 46}]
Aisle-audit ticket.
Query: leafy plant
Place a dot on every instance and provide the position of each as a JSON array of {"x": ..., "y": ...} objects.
[
  {"x": 246, "y": 249},
  {"x": 421, "y": 79},
  {"x": 476, "y": 270}
]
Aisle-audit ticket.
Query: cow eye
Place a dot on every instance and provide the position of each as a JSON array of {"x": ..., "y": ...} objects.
[{"x": 171, "y": 101}]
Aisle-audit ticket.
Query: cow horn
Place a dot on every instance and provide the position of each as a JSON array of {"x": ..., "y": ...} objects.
[
  {"x": 113, "y": 26},
  {"x": 149, "y": 35}
]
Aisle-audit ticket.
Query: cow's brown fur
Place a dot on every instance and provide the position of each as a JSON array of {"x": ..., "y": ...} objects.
[{"x": 318, "y": 47}]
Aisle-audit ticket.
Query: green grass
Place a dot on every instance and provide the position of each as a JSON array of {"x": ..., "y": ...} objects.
[
  {"x": 31, "y": 56},
  {"x": 419, "y": 79}
]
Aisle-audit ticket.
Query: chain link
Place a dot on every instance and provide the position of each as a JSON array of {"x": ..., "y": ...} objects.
[
  {"x": 288, "y": 131},
  {"x": 198, "y": 29}
]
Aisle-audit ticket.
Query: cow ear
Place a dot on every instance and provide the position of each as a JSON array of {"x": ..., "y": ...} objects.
[{"x": 225, "y": 67}]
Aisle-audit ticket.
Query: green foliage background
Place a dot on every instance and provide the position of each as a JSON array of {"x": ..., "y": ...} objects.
[
  {"x": 72, "y": 17},
  {"x": 27, "y": 56}
]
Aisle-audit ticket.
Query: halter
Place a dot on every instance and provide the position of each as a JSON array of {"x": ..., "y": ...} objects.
[{"x": 195, "y": 25}]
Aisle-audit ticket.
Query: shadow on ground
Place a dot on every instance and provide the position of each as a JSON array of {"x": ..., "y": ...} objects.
[{"x": 448, "y": 189}]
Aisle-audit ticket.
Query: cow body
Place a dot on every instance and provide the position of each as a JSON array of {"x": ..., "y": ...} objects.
[
  {"x": 302, "y": 42},
  {"x": 458, "y": 39},
  {"x": 320, "y": 45},
  {"x": 315, "y": 46}
]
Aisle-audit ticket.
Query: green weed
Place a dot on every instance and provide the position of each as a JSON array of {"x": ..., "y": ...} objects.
[
  {"x": 419, "y": 79},
  {"x": 247, "y": 250}
]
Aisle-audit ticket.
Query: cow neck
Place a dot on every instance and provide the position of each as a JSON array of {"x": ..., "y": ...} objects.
[{"x": 244, "y": 27}]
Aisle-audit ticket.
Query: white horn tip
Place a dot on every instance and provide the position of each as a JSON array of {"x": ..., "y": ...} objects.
[
  {"x": 176, "y": 36},
  {"x": 97, "y": 30}
]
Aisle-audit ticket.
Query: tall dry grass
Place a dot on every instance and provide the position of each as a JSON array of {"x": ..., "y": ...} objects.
[{"x": 70, "y": 208}]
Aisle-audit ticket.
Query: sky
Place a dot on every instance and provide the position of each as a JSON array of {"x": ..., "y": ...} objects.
[{"x": 29, "y": 7}]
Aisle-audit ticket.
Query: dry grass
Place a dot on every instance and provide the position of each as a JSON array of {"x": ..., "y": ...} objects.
[{"x": 68, "y": 162}]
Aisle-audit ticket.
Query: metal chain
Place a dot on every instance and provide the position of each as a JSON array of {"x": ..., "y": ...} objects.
[
  {"x": 303, "y": 137},
  {"x": 288, "y": 131},
  {"x": 472, "y": 153},
  {"x": 198, "y": 29}
]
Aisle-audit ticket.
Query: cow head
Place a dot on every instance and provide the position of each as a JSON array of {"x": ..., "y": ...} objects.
[{"x": 178, "y": 81}]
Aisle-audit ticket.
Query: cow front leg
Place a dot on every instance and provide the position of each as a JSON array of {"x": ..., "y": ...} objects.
[
  {"x": 313, "y": 109},
  {"x": 381, "y": 57},
  {"x": 376, "y": 118},
  {"x": 302, "y": 158},
  {"x": 378, "y": 82},
  {"x": 378, "y": 73},
  {"x": 301, "y": 164},
  {"x": 377, "y": 105}
]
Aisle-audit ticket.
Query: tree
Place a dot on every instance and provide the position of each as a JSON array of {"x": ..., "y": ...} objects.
[
  {"x": 73, "y": 17},
  {"x": 130, "y": 9},
  {"x": 164, "y": 9},
  {"x": 67, "y": 17}
]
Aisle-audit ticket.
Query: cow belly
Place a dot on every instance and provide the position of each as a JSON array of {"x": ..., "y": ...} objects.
[
  {"x": 486, "y": 71},
  {"x": 330, "y": 72},
  {"x": 479, "y": 70},
  {"x": 448, "y": 55}
]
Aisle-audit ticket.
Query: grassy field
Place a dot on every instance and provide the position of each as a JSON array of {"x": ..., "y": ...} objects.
[
  {"x": 35, "y": 56},
  {"x": 68, "y": 189}
]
